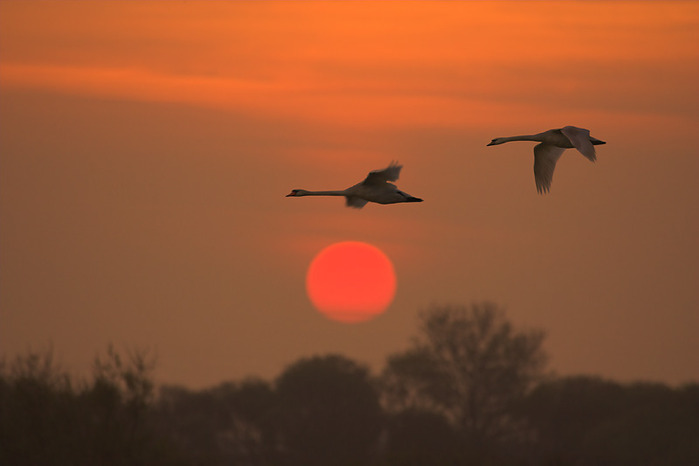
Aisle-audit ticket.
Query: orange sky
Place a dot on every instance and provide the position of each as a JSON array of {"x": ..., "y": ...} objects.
[{"x": 146, "y": 148}]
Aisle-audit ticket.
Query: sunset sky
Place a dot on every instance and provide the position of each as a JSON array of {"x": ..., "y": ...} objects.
[{"x": 146, "y": 149}]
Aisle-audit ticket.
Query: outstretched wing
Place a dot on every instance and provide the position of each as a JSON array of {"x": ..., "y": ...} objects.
[
  {"x": 580, "y": 138},
  {"x": 545, "y": 158},
  {"x": 354, "y": 201},
  {"x": 390, "y": 173}
]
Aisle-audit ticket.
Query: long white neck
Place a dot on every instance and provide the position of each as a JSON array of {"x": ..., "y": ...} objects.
[
  {"x": 322, "y": 193},
  {"x": 525, "y": 137}
]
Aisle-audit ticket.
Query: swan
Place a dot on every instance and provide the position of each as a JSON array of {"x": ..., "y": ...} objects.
[
  {"x": 374, "y": 188},
  {"x": 552, "y": 144}
]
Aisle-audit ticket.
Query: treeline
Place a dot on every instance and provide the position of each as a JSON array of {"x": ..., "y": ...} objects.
[{"x": 470, "y": 390}]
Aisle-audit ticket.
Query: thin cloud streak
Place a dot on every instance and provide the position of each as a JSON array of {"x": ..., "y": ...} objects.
[{"x": 371, "y": 103}]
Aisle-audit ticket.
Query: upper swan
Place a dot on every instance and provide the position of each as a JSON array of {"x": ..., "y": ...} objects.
[{"x": 552, "y": 144}]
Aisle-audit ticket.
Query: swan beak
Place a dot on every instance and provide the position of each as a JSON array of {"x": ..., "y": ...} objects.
[
  {"x": 291, "y": 194},
  {"x": 491, "y": 143}
]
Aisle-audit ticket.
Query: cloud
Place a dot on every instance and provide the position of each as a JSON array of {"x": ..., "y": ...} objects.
[{"x": 345, "y": 65}]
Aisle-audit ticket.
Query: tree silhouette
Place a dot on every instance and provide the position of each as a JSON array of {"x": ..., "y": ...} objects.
[
  {"x": 566, "y": 411},
  {"x": 47, "y": 418},
  {"x": 36, "y": 410},
  {"x": 329, "y": 412},
  {"x": 466, "y": 392},
  {"x": 122, "y": 393},
  {"x": 420, "y": 438},
  {"x": 587, "y": 420},
  {"x": 231, "y": 423},
  {"x": 251, "y": 437},
  {"x": 470, "y": 365}
]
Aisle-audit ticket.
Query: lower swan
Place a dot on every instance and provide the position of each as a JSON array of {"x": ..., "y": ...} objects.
[{"x": 374, "y": 188}]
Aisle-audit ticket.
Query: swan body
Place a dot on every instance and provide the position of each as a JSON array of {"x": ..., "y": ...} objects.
[
  {"x": 375, "y": 188},
  {"x": 551, "y": 145}
]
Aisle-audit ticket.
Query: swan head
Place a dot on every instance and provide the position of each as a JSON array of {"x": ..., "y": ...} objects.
[
  {"x": 497, "y": 141},
  {"x": 297, "y": 193}
]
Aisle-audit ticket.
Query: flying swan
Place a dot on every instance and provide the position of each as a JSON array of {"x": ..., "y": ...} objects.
[
  {"x": 552, "y": 144},
  {"x": 374, "y": 188}
]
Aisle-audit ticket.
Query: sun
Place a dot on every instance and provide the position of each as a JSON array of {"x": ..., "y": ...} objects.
[{"x": 351, "y": 281}]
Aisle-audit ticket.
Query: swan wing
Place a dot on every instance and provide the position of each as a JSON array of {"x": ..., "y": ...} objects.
[
  {"x": 390, "y": 173},
  {"x": 580, "y": 138},
  {"x": 356, "y": 202},
  {"x": 545, "y": 158}
]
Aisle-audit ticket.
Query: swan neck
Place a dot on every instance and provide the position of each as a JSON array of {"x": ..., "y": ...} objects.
[
  {"x": 324, "y": 193},
  {"x": 524, "y": 137}
]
